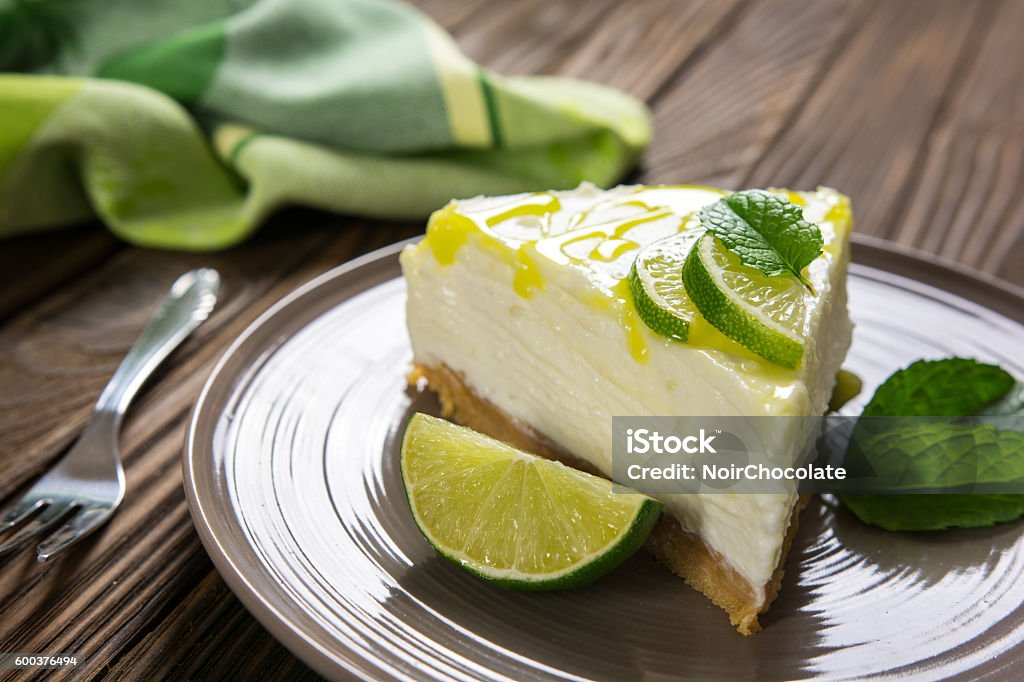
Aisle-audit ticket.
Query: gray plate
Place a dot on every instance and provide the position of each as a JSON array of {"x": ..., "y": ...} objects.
[{"x": 291, "y": 472}]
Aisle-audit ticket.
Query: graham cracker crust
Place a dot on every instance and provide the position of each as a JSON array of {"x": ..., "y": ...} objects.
[{"x": 684, "y": 553}]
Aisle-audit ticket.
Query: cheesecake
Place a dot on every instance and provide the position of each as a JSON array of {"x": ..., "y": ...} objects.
[{"x": 520, "y": 319}]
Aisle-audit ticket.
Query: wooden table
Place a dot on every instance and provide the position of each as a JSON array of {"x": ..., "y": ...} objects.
[{"x": 915, "y": 108}]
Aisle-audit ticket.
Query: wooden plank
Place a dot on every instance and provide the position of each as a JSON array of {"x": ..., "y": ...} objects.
[
  {"x": 634, "y": 46},
  {"x": 639, "y": 46},
  {"x": 529, "y": 36},
  {"x": 196, "y": 624},
  {"x": 60, "y": 354},
  {"x": 451, "y": 15},
  {"x": 35, "y": 264},
  {"x": 143, "y": 562},
  {"x": 965, "y": 202},
  {"x": 148, "y": 558},
  {"x": 863, "y": 125},
  {"x": 720, "y": 116}
]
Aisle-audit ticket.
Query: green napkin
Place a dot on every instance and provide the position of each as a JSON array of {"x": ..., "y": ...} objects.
[{"x": 183, "y": 123}]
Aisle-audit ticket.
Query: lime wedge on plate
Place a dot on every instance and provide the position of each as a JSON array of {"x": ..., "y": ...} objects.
[
  {"x": 767, "y": 315},
  {"x": 512, "y": 518},
  {"x": 657, "y": 286}
]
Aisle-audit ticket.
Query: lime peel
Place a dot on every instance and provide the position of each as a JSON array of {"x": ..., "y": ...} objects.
[
  {"x": 658, "y": 293},
  {"x": 748, "y": 323},
  {"x": 514, "y": 519}
]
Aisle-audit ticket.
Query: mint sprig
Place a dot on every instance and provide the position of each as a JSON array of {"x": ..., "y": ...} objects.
[
  {"x": 766, "y": 231},
  {"x": 944, "y": 454}
]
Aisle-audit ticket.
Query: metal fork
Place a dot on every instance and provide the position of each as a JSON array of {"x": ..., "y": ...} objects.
[{"x": 85, "y": 487}]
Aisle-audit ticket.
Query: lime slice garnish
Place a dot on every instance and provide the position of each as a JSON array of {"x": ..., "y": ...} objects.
[
  {"x": 657, "y": 286},
  {"x": 512, "y": 518},
  {"x": 767, "y": 315}
]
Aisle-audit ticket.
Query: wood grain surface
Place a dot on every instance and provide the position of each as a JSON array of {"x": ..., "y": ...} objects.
[{"x": 914, "y": 108}]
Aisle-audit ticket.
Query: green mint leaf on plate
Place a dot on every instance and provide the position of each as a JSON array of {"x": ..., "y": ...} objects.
[
  {"x": 944, "y": 454},
  {"x": 935, "y": 512},
  {"x": 766, "y": 231},
  {"x": 953, "y": 387},
  {"x": 1012, "y": 403}
]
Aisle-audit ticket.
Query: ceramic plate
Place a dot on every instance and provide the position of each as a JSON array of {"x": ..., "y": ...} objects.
[{"x": 291, "y": 471}]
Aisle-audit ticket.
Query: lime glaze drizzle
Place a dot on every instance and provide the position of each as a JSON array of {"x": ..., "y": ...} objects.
[
  {"x": 596, "y": 241},
  {"x": 447, "y": 231},
  {"x": 552, "y": 205},
  {"x": 631, "y": 323},
  {"x": 611, "y": 249},
  {"x": 527, "y": 278}
]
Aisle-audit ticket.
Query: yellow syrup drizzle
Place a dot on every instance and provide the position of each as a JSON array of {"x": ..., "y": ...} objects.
[
  {"x": 655, "y": 214},
  {"x": 527, "y": 277},
  {"x": 842, "y": 223},
  {"x": 631, "y": 323},
  {"x": 848, "y": 387},
  {"x": 579, "y": 236},
  {"x": 611, "y": 249},
  {"x": 580, "y": 218},
  {"x": 552, "y": 205},
  {"x": 614, "y": 244},
  {"x": 447, "y": 231},
  {"x": 794, "y": 197},
  {"x": 839, "y": 211},
  {"x": 634, "y": 336}
]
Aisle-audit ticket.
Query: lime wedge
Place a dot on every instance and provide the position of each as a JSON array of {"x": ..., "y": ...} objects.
[
  {"x": 515, "y": 519},
  {"x": 767, "y": 315},
  {"x": 657, "y": 286}
]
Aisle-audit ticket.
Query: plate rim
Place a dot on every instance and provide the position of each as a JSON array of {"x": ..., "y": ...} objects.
[{"x": 983, "y": 289}]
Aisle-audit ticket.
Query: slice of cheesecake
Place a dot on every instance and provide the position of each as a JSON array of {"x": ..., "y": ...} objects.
[{"x": 521, "y": 320}]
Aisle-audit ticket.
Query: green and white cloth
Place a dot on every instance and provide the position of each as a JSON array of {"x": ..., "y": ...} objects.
[{"x": 183, "y": 123}]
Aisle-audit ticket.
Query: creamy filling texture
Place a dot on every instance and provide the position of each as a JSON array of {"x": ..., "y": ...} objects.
[{"x": 550, "y": 339}]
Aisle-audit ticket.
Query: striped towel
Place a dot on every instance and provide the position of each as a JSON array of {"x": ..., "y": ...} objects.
[{"x": 183, "y": 123}]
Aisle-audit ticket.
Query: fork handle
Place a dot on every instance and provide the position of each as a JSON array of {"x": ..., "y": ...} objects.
[{"x": 188, "y": 304}]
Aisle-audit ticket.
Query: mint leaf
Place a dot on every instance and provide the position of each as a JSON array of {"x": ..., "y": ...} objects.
[
  {"x": 940, "y": 454},
  {"x": 934, "y": 512},
  {"x": 952, "y": 387},
  {"x": 766, "y": 231},
  {"x": 1010, "y": 404}
]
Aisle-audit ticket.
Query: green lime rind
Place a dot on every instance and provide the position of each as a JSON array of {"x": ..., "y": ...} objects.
[
  {"x": 589, "y": 571},
  {"x": 494, "y": 511},
  {"x": 658, "y": 293},
  {"x": 660, "y": 320},
  {"x": 732, "y": 316}
]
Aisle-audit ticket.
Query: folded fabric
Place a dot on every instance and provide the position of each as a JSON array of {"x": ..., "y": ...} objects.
[{"x": 183, "y": 123}]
